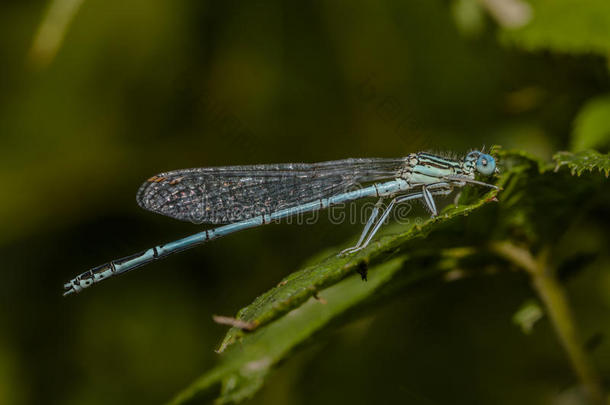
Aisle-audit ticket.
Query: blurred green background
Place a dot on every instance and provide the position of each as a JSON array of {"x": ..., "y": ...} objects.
[{"x": 96, "y": 96}]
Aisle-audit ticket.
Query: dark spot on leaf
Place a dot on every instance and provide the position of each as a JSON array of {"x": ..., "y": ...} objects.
[{"x": 363, "y": 270}]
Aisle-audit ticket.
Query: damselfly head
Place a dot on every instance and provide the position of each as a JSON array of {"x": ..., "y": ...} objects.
[{"x": 482, "y": 162}]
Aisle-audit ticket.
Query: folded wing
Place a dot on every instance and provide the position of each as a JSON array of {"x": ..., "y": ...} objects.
[{"x": 228, "y": 194}]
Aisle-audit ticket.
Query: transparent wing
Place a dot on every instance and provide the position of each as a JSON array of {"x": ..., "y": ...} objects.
[{"x": 228, "y": 194}]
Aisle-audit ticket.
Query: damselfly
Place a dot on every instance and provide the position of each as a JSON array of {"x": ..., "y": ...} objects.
[{"x": 248, "y": 196}]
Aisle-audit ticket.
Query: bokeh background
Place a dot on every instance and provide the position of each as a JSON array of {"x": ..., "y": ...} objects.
[{"x": 96, "y": 96}]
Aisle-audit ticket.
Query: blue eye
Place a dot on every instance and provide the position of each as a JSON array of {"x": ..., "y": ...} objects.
[{"x": 486, "y": 164}]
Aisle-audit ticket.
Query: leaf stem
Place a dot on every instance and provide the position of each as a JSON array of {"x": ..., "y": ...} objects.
[{"x": 556, "y": 302}]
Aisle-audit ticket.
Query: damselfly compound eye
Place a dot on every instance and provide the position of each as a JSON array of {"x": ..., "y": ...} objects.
[{"x": 486, "y": 164}]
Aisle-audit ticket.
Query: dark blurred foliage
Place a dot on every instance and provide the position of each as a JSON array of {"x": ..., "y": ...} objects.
[{"x": 140, "y": 87}]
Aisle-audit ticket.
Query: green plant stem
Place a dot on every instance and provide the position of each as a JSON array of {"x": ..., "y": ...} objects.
[{"x": 555, "y": 300}]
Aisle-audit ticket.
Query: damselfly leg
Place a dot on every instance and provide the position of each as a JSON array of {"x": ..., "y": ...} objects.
[
  {"x": 426, "y": 194},
  {"x": 370, "y": 221}
]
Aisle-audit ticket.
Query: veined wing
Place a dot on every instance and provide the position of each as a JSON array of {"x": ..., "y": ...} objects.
[{"x": 228, "y": 194}]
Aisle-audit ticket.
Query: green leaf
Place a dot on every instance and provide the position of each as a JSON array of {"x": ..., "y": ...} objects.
[
  {"x": 331, "y": 291},
  {"x": 592, "y": 124},
  {"x": 567, "y": 26},
  {"x": 583, "y": 161},
  {"x": 244, "y": 367}
]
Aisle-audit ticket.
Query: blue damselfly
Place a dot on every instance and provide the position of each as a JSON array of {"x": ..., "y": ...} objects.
[{"x": 248, "y": 196}]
